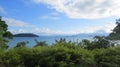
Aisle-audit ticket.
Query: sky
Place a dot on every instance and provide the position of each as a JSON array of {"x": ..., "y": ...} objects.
[{"x": 60, "y": 17}]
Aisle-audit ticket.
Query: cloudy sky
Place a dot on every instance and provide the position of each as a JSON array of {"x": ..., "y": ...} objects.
[{"x": 50, "y": 17}]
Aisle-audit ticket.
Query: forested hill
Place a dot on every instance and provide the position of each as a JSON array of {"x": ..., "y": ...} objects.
[{"x": 25, "y": 35}]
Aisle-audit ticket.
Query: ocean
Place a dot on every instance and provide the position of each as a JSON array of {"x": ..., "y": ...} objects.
[{"x": 48, "y": 39}]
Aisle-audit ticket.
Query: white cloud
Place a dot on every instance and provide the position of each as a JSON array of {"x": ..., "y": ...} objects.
[
  {"x": 52, "y": 16},
  {"x": 16, "y": 23},
  {"x": 47, "y": 31},
  {"x": 23, "y": 27},
  {"x": 2, "y": 10},
  {"x": 108, "y": 27},
  {"x": 88, "y": 9}
]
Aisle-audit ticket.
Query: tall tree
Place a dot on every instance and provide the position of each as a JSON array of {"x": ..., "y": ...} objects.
[
  {"x": 4, "y": 34},
  {"x": 115, "y": 35}
]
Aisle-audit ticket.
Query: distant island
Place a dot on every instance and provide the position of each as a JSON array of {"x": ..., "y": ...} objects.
[{"x": 25, "y": 35}]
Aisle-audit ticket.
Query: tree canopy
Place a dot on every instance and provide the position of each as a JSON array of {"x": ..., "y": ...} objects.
[
  {"x": 4, "y": 33},
  {"x": 115, "y": 34}
]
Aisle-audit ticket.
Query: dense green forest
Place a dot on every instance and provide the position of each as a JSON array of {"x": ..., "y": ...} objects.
[{"x": 99, "y": 52}]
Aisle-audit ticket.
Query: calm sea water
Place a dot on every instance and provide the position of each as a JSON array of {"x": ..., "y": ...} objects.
[{"x": 49, "y": 40}]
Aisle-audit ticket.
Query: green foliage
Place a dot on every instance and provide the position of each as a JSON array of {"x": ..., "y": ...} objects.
[
  {"x": 21, "y": 44},
  {"x": 2, "y": 55},
  {"x": 97, "y": 43},
  {"x": 40, "y": 43},
  {"x": 96, "y": 53},
  {"x": 87, "y": 44},
  {"x": 115, "y": 35},
  {"x": 101, "y": 42},
  {"x": 12, "y": 59},
  {"x": 108, "y": 57},
  {"x": 63, "y": 43},
  {"x": 4, "y": 33},
  {"x": 61, "y": 54}
]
